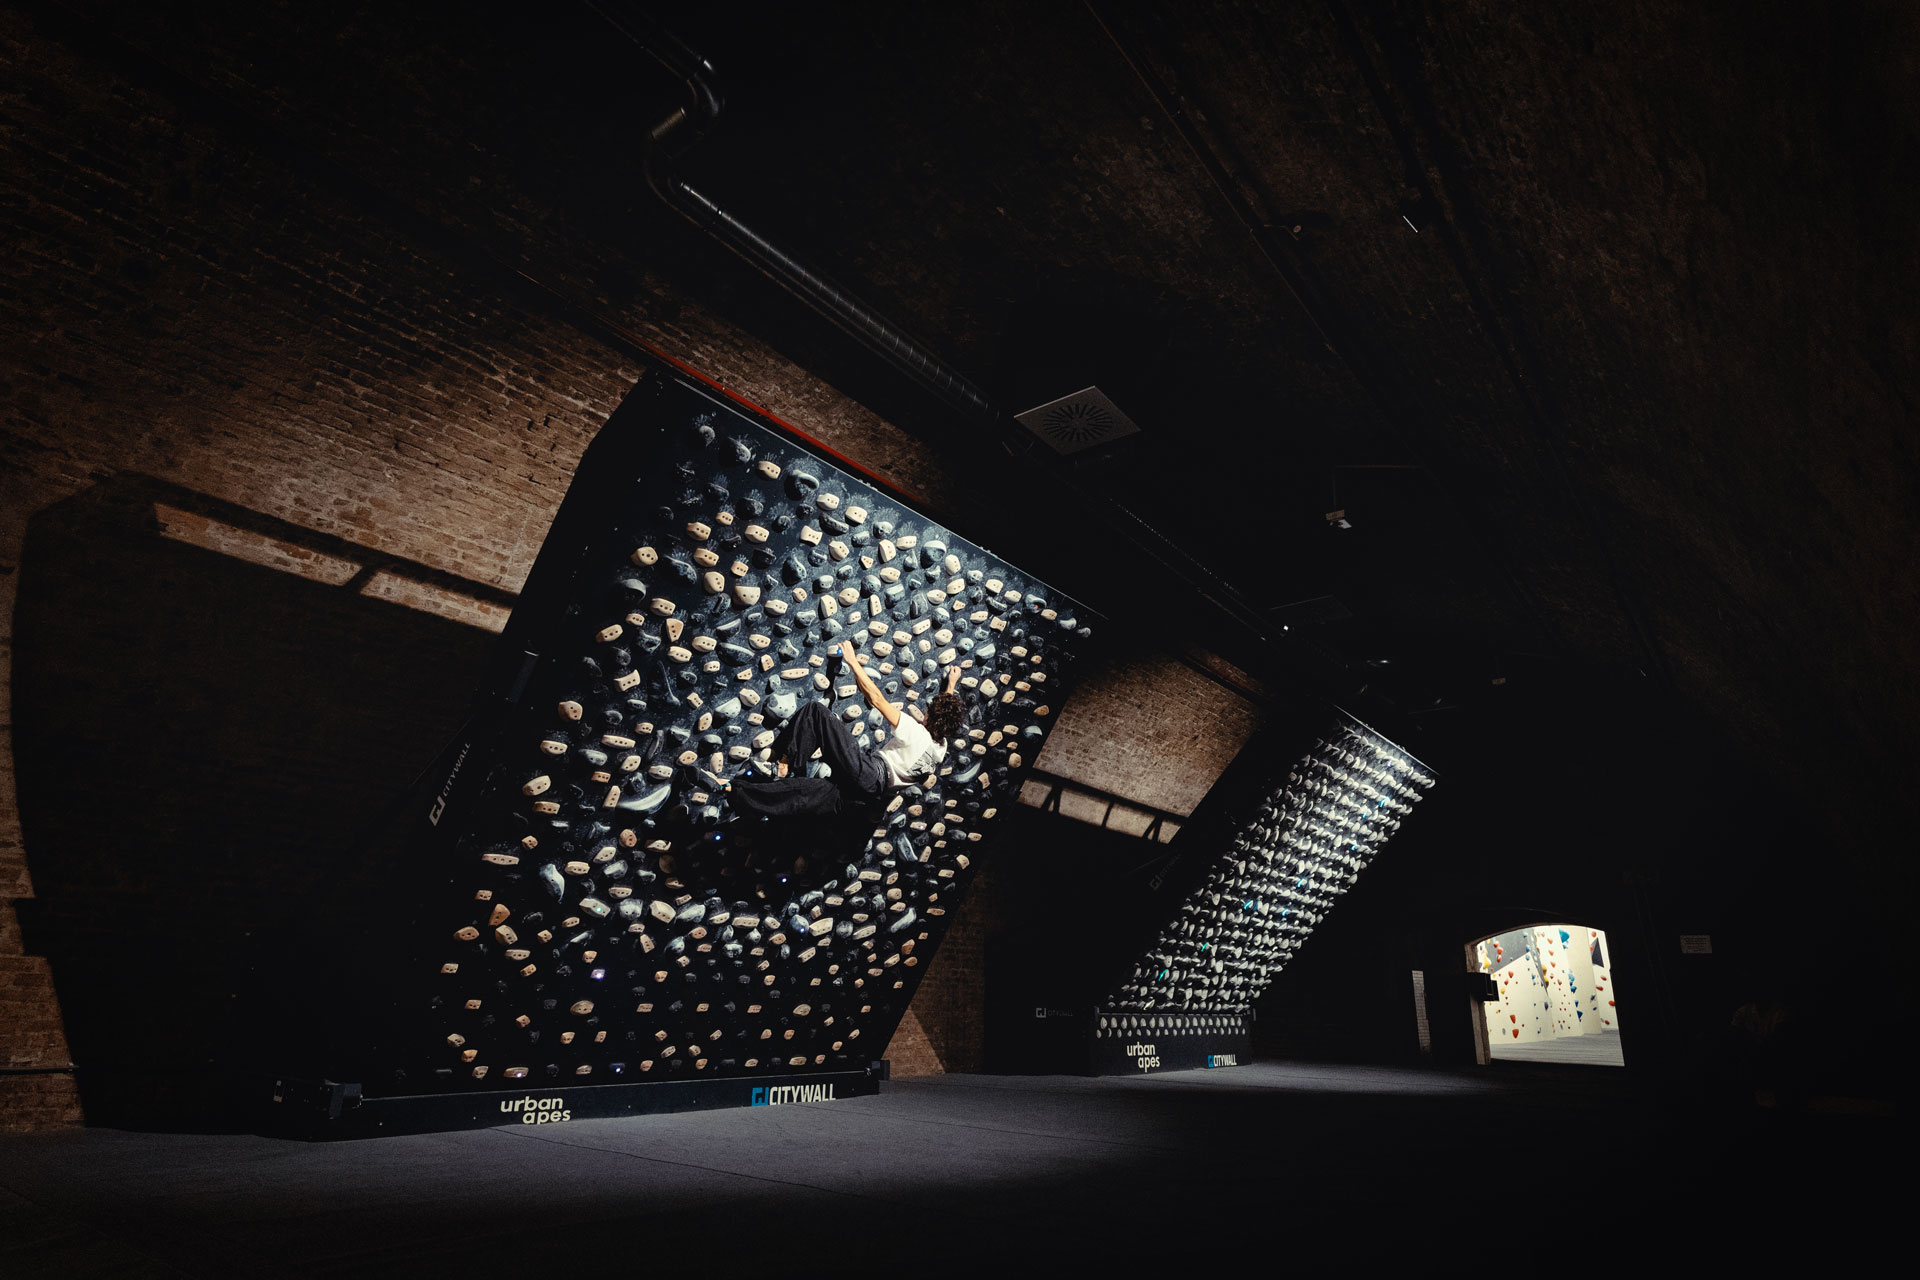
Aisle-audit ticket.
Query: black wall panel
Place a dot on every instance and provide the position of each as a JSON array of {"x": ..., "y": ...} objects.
[{"x": 595, "y": 912}]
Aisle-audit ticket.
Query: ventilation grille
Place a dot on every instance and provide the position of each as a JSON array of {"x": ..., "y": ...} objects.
[{"x": 1079, "y": 421}]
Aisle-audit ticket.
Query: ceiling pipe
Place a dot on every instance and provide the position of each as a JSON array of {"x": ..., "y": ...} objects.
[
  {"x": 679, "y": 131},
  {"x": 676, "y": 133}
]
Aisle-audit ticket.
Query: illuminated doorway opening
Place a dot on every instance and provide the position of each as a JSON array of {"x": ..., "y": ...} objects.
[{"x": 1552, "y": 996}]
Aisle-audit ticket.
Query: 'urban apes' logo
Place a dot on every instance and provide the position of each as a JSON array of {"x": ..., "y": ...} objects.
[
  {"x": 532, "y": 1110},
  {"x": 775, "y": 1095},
  {"x": 1145, "y": 1056}
]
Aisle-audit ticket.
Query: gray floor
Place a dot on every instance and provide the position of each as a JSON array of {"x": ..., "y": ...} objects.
[
  {"x": 1600, "y": 1050},
  {"x": 1188, "y": 1171}
]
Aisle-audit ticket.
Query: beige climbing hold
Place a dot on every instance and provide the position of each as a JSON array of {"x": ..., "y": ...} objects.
[
  {"x": 626, "y": 681},
  {"x": 505, "y": 935},
  {"x": 810, "y": 535},
  {"x": 661, "y": 608},
  {"x": 467, "y": 934},
  {"x": 612, "y": 632},
  {"x": 771, "y": 470},
  {"x": 698, "y": 531},
  {"x": 679, "y": 654},
  {"x": 645, "y": 556},
  {"x": 713, "y": 582},
  {"x": 501, "y": 859},
  {"x": 500, "y": 914},
  {"x": 706, "y": 557},
  {"x": 553, "y": 746},
  {"x": 536, "y": 786},
  {"x": 746, "y": 596},
  {"x": 572, "y": 710},
  {"x": 581, "y": 1007},
  {"x": 757, "y": 533},
  {"x": 838, "y": 550},
  {"x": 704, "y": 644}
]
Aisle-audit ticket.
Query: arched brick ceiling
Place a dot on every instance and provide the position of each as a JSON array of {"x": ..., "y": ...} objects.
[{"x": 1601, "y": 323}]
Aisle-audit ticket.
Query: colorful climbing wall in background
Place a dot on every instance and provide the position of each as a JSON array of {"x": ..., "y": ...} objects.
[
  {"x": 1553, "y": 981},
  {"x": 606, "y": 916}
]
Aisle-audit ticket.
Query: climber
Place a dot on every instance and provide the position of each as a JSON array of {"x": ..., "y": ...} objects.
[{"x": 858, "y": 773}]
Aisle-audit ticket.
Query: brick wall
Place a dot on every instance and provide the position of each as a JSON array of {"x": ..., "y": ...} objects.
[
  {"x": 199, "y": 325},
  {"x": 1151, "y": 728}
]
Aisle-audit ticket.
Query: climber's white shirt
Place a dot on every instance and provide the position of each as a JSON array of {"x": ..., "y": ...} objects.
[{"x": 911, "y": 753}]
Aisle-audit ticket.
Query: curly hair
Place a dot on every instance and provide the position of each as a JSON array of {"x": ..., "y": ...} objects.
[{"x": 945, "y": 714}]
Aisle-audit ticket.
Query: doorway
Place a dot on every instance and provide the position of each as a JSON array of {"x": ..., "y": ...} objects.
[{"x": 1553, "y": 997}]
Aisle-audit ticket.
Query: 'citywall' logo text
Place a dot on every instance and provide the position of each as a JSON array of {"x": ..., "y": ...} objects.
[
  {"x": 446, "y": 788},
  {"x": 774, "y": 1095},
  {"x": 532, "y": 1110},
  {"x": 1223, "y": 1059}
]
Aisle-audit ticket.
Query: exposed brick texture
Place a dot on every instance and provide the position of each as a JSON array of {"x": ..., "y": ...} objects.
[
  {"x": 31, "y": 1102},
  {"x": 910, "y": 1053},
  {"x": 195, "y": 322},
  {"x": 1150, "y": 728}
]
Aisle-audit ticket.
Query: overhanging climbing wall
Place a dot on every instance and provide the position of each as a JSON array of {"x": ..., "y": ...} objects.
[
  {"x": 1188, "y": 998},
  {"x": 604, "y": 917}
]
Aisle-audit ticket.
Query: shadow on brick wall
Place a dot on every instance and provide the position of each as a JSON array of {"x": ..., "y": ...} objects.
[{"x": 204, "y": 748}]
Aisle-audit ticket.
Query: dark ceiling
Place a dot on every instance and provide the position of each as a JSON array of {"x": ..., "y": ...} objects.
[{"x": 1598, "y": 321}]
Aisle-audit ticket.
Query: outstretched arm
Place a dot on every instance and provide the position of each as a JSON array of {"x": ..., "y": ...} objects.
[{"x": 867, "y": 687}]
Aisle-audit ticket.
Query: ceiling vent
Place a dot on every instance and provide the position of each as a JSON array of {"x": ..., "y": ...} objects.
[{"x": 1079, "y": 421}]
